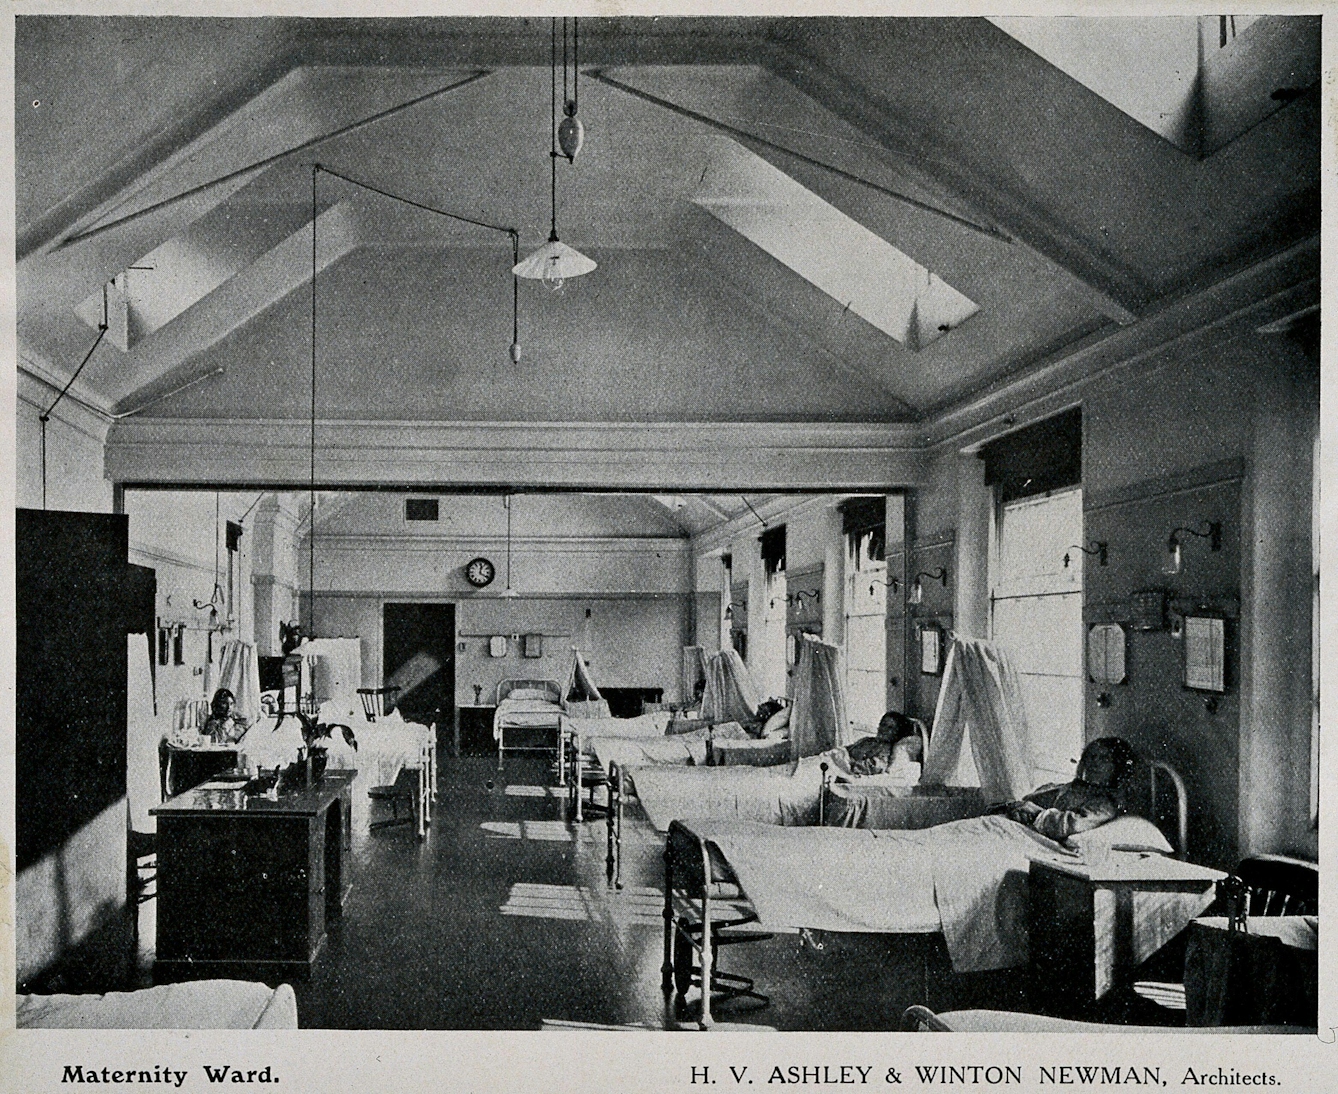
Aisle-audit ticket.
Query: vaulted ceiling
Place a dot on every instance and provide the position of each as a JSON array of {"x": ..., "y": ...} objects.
[{"x": 173, "y": 158}]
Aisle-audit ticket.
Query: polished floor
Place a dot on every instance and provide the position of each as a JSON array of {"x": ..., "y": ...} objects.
[{"x": 502, "y": 919}]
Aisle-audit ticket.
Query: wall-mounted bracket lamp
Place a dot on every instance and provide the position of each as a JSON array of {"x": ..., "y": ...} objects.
[
  {"x": 892, "y": 583},
  {"x": 1098, "y": 548},
  {"x": 729, "y": 608},
  {"x": 917, "y": 593},
  {"x": 803, "y": 594},
  {"x": 1211, "y": 530}
]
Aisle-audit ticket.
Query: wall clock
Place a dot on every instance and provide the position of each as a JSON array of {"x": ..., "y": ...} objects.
[{"x": 479, "y": 572}]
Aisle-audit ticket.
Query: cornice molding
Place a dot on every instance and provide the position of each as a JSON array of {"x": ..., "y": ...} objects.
[
  {"x": 1273, "y": 285},
  {"x": 369, "y": 541},
  {"x": 667, "y": 457},
  {"x": 663, "y": 457}
]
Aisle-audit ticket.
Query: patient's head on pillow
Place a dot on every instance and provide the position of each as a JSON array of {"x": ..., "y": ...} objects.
[
  {"x": 903, "y": 733},
  {"x": 1107, "y": 762}
]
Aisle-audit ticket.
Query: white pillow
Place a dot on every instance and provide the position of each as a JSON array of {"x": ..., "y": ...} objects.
[
  {"x": 1126, "y": 831},
  {"x": 778, "y": 721},
  {"x": 531, "y": 693}
]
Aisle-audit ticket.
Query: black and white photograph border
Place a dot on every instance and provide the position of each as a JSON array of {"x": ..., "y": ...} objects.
[{"x": 778, "y": 519}]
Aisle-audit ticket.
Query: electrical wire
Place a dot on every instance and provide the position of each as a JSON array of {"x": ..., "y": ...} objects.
[
  {"x": 267, "y": 161},
  {"x": 45, "y": 416}
]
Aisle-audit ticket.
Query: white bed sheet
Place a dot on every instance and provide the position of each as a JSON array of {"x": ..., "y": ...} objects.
[
  {"x": 525, "y": 713},
  {"x": 967, "y": 878},
  {"x": 201, "y": 1004}
]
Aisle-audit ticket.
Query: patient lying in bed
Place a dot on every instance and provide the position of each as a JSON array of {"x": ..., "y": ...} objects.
[
  {"x": 896, "y": 743},
  {"x": 1058, "y": 810}
]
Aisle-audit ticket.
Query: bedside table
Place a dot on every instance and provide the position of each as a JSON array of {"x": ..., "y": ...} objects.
[
  {"x": 473, "y": 729},
  {"x": 1091, "y": 924}
]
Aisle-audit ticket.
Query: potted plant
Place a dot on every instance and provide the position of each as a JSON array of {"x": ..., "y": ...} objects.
[{"x": 316, "y": 735}]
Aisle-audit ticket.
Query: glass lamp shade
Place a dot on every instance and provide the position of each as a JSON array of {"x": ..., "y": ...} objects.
[{"x": 553, "y": 263}]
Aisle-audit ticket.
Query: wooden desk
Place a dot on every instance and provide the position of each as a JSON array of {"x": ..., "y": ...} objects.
[
  {"x": 247, "y": 885},
  {"x": 1082, "y": 923}
]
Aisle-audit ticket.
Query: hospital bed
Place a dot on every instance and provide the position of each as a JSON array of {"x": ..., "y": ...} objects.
[
  {"x": 386, "y": 747},
  {"x": 527, "y": 705},
  {"x": 200, "y": 1004},
  {"x": 923, "y": 1020},
  {"x": 730, "y": 881},
  {"x": 787, "y": 794}
]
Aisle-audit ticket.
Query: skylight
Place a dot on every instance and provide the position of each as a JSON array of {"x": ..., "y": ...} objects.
[
  {"x": 1197, "y": 81},
  {"x": 838, "y": 255}
]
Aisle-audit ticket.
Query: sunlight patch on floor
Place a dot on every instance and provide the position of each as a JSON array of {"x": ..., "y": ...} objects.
[
  {"x": 541, "y": 831},
  {"x": 523, "y": 791}
]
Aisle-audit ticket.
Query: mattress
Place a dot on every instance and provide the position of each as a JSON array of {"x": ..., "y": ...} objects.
[
  {"x": 200, "y": 1004},
  {"x": 522, "y": 713},
  {"x": 765, "y": 795},
  {"x": 876, "y": 803}
]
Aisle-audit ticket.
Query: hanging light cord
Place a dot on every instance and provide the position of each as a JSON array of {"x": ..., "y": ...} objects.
[
  {"x": 311, "y": 486},
  {"x": 552, "y": 128},
  {"x": 512, "y": 232},
  {"x": 257, "y": 165},
  {"x": 45, "y": 416}
]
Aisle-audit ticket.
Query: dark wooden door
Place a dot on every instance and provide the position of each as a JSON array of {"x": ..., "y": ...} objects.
[{"x": 418, "y": 657}]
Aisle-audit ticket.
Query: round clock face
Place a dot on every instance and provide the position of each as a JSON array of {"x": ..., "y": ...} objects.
[{"x": 480, "y": 572}]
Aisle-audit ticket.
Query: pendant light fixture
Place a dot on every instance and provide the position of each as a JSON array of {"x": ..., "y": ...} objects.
[
  {"x": 554, "y": 262},
  {"x": 570, "y": 132}
]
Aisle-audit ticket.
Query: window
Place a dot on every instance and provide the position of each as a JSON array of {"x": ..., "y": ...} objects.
[
  {"x": 768, "y": 661},
  {"x": 864, "y": 521},
  {"x": 1197, "y": 81},
  {"x": 1036, "y": 614},
  {"x": 866, "y": 634},
  {"x": 838, "y": 255},
  {"x": 420, "y": 509}
]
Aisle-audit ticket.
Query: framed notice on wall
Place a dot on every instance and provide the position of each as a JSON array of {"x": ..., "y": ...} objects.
[
  {"x": 931, "y": 650},
  {"x": 1205, "y": 653}
]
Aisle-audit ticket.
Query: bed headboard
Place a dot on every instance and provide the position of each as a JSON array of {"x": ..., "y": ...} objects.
[
  {"x": 551, "y": 688},
  {"x": 1157, "y": 792},
  {"x": 1169, "y": 803}
]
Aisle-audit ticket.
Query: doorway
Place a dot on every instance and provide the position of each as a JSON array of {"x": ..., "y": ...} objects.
[{"x": 418, "y": 657}]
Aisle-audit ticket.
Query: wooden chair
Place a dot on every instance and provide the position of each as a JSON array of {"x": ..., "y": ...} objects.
[
  {"x": 401, "y": 791},
  {"x": 377, "y": 702},
  {"x": 1262, "y": 885}
]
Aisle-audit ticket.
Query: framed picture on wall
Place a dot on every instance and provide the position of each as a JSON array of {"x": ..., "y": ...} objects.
[{"x": 931, "y": 650}]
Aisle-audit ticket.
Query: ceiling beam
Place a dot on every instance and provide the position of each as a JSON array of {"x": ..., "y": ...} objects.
[{"x": 1114, "y": 290}]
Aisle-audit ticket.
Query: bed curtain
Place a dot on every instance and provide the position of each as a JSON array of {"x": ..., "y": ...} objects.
[
  {"x": 580, "y": 684},
  {"x": 240, "y": 674},
  {"x": 818, "y": 721},
  {"x": 980, "y": 699},
  {"x": 730, "y": 694}
]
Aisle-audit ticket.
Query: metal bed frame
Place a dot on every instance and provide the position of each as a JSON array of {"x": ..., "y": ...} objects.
[
  {"x": 504, "y": 689},
  {"x": 691, "y": 891}
]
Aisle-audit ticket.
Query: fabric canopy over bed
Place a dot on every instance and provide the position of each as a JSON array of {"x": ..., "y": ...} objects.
[
  {"x": 730, "y": 695},
  {"x": 818, "y": 722},
  {"x": 981, "y": 701},
  {"x": 580, "y": 686}
]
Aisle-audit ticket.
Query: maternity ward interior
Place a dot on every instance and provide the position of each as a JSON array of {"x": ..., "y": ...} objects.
[{"x": 691, "y": 523}]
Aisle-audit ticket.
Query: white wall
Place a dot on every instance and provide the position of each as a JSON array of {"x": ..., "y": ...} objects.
[
  {"x": 1221, "y": 399},
  {"x": 75, "y": 440},
  {"x": 621, "y": 558}
]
